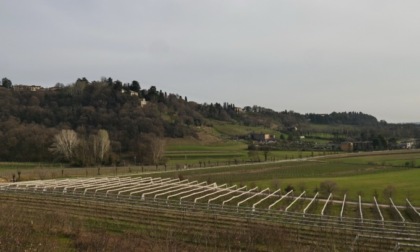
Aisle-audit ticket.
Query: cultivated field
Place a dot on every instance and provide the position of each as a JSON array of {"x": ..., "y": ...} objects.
[
  {"x": 226, "y": 207},
  {"x": 365, "y": 174},
  {"x": 253, "y": 220}
]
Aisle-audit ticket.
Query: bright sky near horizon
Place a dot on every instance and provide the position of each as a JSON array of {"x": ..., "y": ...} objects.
[{"x": 307, "y": 56}]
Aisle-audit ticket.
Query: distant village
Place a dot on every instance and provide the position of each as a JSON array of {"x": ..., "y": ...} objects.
[
  {"x": 346, "y": 146},
  {"x": 368, "y": 145},
  {"x": 32, "y": 88}
]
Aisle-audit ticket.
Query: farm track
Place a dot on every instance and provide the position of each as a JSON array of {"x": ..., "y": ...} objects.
[{"x": 209, "y": 223}]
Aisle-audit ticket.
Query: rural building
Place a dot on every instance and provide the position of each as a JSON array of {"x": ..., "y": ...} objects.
[
  {"x": 363, "y": 146},
  {"x": 32, "y": 88},
  {"x": 262, "y": 137},
  {"x": 291, "y": 129},
  {"x": 356, "y": 146},
  {"x": 130, "y": 92},
  {"x": 346, "y": 146},
  {"x": 239, "y": 110},
  {"x": 143, "y": 102},
  {"x": 407, "y": 145}
]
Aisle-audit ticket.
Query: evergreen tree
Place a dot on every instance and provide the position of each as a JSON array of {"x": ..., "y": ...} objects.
[
  {"x": 135, "y": 86},
  {"x": 6, "y": 83}
]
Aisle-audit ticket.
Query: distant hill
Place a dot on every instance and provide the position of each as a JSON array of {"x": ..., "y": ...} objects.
[{"x": 133, "y": 117}]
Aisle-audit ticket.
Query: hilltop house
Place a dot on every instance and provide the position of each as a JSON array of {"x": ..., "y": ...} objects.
[
  {"x": 262, "y": 137},
  {"x": 130, "y": 92},
  {"x": 143, "y": 103},
  {"x": 32, "y": 88}
]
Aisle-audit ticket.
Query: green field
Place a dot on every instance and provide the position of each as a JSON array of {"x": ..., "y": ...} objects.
[
  {"x": 233, "y": 130},
  {"x": 228, "y": 152},
  {"x": 368, "y": 175},
  {"x": 82, "y": 224},
  {"x": 368, "y": 185}
]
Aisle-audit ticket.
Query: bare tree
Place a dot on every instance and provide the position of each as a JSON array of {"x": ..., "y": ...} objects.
[
  {"x": 157, "y": 149},
  {"x": 100, "y": 145},
  {"x": 65, "y": 144},
  {"x": 151, "y": 149},
  {"x": 327, "y": 187}
]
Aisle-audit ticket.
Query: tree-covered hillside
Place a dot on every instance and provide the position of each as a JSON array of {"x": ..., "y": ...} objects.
[{"x": 134, "y": 118}]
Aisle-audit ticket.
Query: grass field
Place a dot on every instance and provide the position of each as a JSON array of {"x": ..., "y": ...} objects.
[
  {"x": 367, "y": 174},
  {"x": 233, "y": 130},
  {"x": 36, "y": 222},
  {"x": 367, "y": 185},
  {"x": 192, "y": 153},
  {"x": 43, "y": 222}
]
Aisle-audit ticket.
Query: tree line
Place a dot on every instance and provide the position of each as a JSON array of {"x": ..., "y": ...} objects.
[
  {"x": 350, "y": 118},
  {"x": 30, "y": 121}
]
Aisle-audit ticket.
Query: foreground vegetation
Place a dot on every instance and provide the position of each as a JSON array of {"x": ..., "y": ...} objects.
[
  {"x": 121, "y": 129},
  {"x": 366, "y": 174},
  {"x": 90, "y": 226},
  {"x": 45, "y": 222},
  {"x": 132, "y": 120}
]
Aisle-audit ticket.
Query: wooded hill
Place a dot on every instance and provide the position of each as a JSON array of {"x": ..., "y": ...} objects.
[{"x": 134, "y": 117}]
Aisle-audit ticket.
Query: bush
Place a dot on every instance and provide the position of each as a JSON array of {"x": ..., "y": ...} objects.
[
  {"x": 289, "y": 188},
  {"x": 328, "y": 187}
]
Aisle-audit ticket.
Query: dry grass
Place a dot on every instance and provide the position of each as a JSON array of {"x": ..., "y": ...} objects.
[{"x": 29, "y": 225}]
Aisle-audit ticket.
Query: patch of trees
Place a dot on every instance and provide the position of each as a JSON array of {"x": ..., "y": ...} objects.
[
  {"x": 24, "y": 141},
  {"x": 260, "y": 116},
  {"x": 225, "y": 112},
  {"x": 89, "y": 150},
  {"x": 29, "y": 121},
  {"x": 6, "y": 83},
  {"x": 350, "y": 118}
]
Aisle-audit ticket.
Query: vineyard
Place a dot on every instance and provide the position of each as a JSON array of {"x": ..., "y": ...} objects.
[{"x": 199, "y": 214}]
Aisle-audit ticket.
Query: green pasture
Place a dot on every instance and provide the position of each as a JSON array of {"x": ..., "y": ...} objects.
[
  {"x": 19, "y": 166},
  {"x": 27, "y": 170},
  {"x": 393, "y": 159},
  {"x": 404, "y": 181},
  {"x": 216, "y": 155},
  {"x": 321, "y": 135},
  {"x": 218, "y": 147},
  {"x": 367, "y": 175},
  {"x": 192, "y": 153},
  {"x": 232, "y": 130}
]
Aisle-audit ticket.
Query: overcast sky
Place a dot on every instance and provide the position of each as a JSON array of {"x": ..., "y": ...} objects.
[{"x": 308, "y": 56}]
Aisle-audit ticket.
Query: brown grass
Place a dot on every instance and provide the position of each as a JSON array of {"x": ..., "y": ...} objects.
[{"x": 46, "y": 223}]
